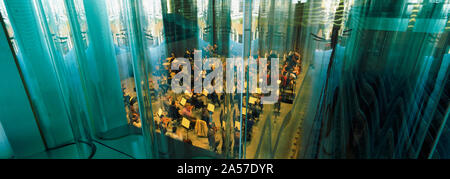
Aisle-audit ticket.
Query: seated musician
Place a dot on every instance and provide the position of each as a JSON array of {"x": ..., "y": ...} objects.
[
  {"x": 173, "y": 111},
  {"x": 165, "y": 121},
  {"x": 194, "y": 100},
  {"x": 187, "y": 112},
  {"x": 171, "y": 58}
]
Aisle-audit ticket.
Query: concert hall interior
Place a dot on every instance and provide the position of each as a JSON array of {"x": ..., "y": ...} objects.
[{"x": 193, "y": 79}]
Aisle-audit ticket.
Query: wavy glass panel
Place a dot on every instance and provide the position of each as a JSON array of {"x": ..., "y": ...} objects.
[
  {"x": 384, "y": 78},
  {"x": 258, "y": 78}
]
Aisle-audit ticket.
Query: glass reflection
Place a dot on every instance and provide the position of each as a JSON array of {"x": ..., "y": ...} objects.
[{"x": 357, "y": 79}]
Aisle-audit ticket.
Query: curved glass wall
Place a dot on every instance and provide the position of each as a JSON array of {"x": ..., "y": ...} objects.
[
  {"x": 383, "y": 91},
  {"x": 237, "y": 78}
]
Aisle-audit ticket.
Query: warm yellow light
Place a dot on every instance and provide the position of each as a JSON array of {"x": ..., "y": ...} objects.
[{"x": 326, "y": 4}]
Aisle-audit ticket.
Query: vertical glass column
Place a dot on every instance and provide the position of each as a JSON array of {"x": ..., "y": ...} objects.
[
  {"x": 269, "y": 35},
  {"x": 104, "y": 81},
  {"x": 154, "y": 148},
  {"x": 20, "y": 135},
  {"x": 247, "y": 21},
  {"x": 60, "y": 42},
  {"x": 40, "y": 72}
]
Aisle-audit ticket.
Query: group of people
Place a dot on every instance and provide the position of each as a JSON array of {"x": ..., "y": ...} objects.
[
  {"x": 292, "y": 67},
  {"x": 194, "y": 108},
  {"x": 131, "y": 107}
]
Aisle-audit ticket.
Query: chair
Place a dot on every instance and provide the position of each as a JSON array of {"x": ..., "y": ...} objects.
[{"x": 201, "y": 128}]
